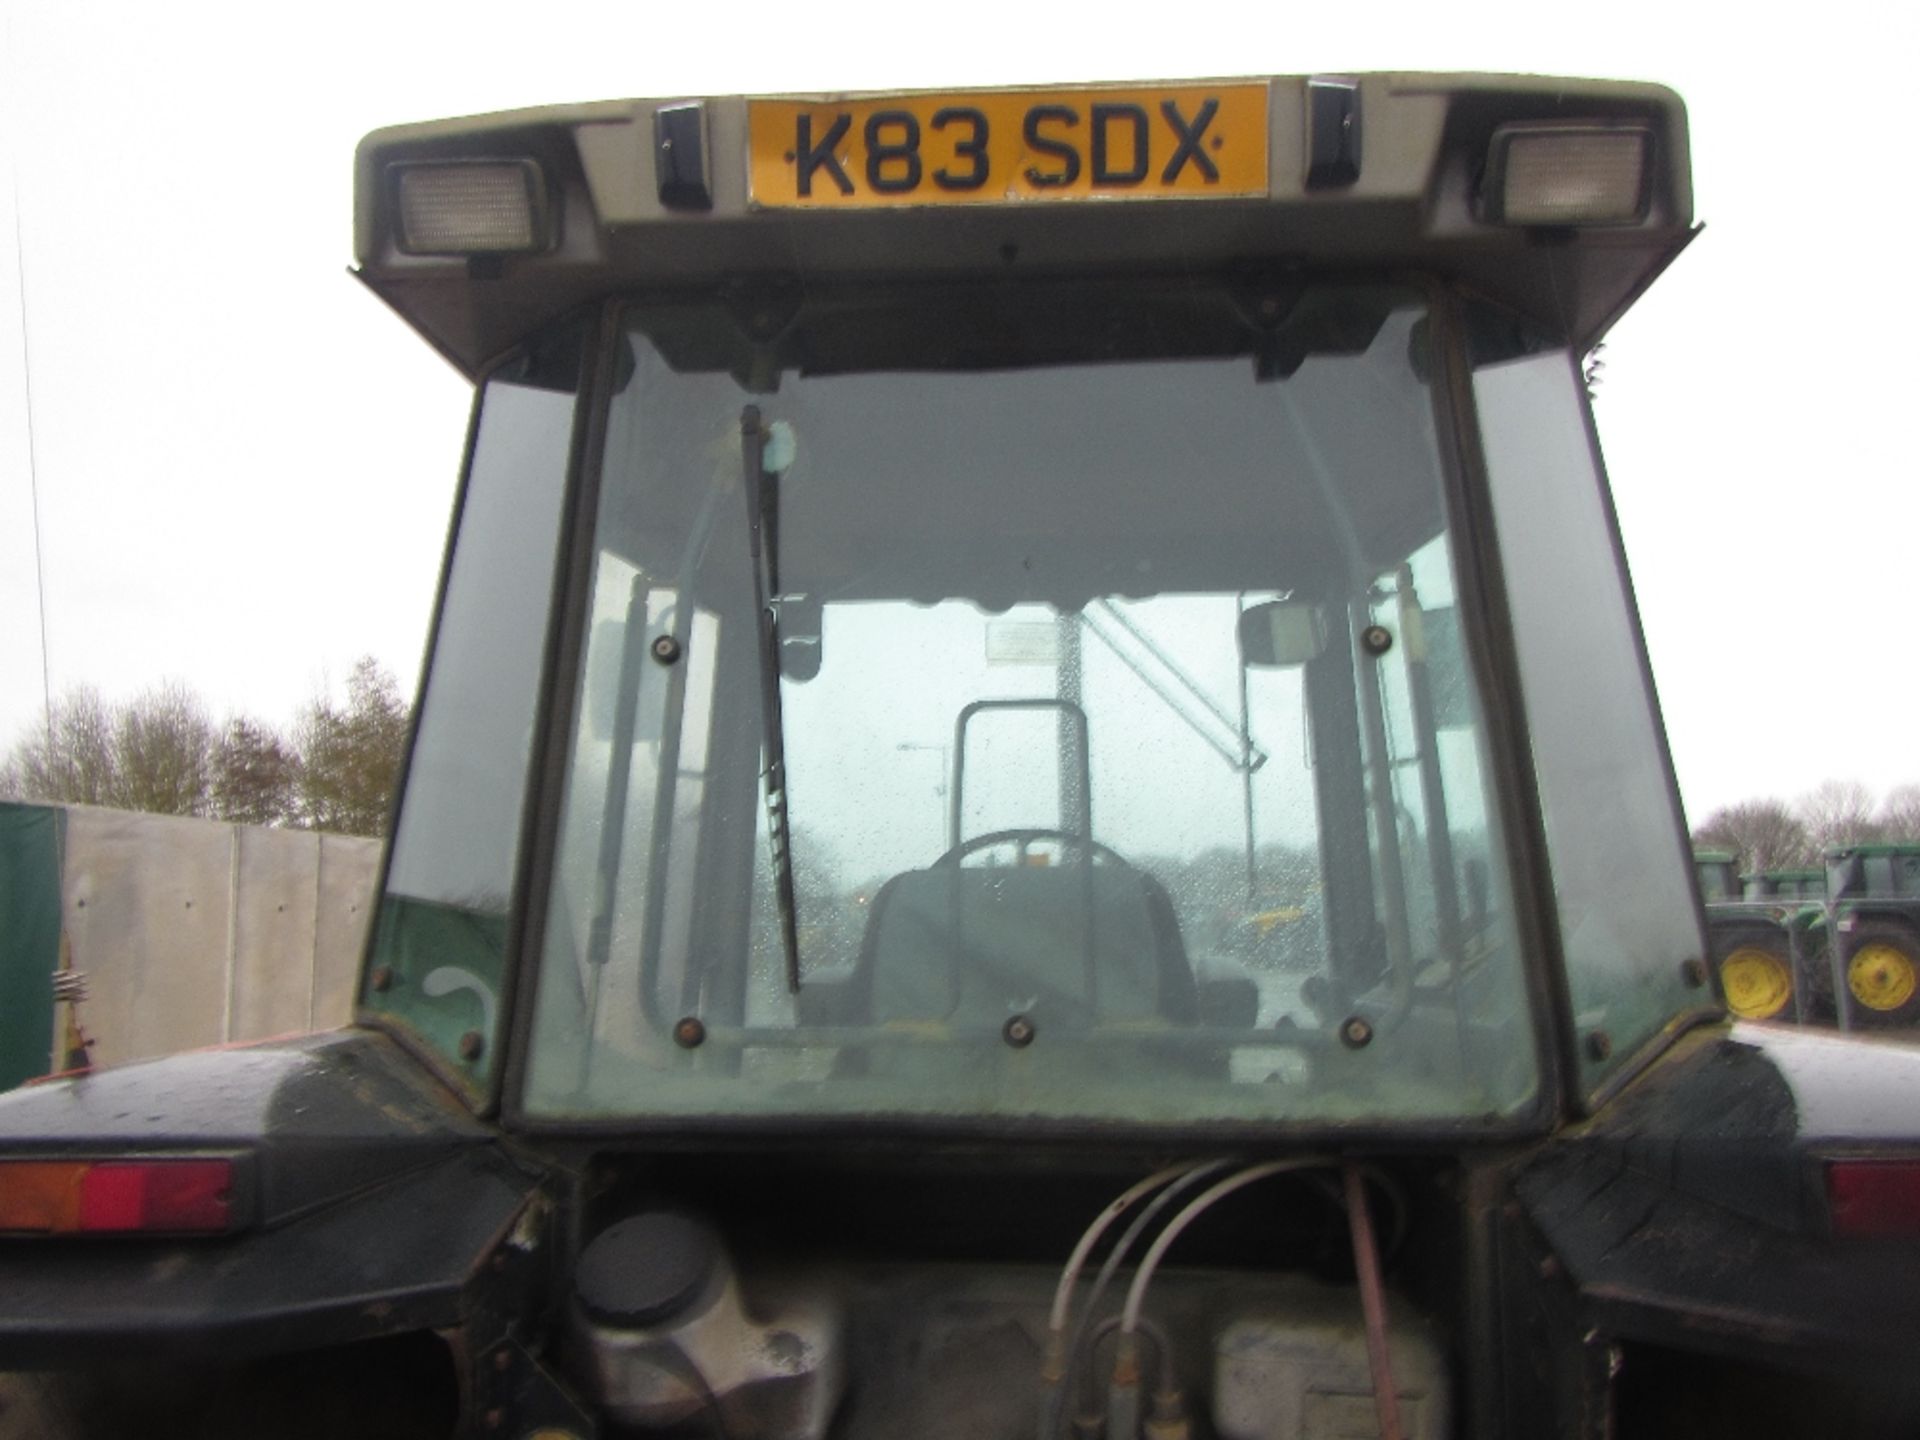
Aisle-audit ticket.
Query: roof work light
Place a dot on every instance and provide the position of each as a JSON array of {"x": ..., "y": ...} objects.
[
  {"x": 1557, "y": 174},
  {"x": 469, "y": 207}
]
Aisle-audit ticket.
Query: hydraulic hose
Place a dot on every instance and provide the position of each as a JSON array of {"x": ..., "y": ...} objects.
[
  {"x": 1057, "y": 1361},
  {"x": 1373, "y": 1303},
  {"x": 1137, "y": 1293},
  {"x": 1064, "y": 1370},
  {"x": 1076, "y": 1262}
]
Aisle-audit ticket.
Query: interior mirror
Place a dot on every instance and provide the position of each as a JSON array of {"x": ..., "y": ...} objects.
[
  {"x": 799, "y": 630},
  {"x": 1282, "y": 632}
]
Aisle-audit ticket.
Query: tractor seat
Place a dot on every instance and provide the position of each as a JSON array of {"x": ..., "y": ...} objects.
[{"x": 972, "y": 946}]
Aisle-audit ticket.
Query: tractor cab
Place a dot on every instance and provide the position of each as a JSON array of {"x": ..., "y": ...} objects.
[{"x": 1036, "y": 809}]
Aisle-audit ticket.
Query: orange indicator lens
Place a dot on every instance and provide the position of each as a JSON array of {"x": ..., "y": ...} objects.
[{"x": 40, "y": 1196}]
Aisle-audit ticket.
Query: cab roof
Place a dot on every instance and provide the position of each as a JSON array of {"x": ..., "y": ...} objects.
[{"x": 1381, "y": 173}]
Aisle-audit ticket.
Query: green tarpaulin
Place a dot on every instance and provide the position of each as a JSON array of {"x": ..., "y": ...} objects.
[{"x": 30, "y": 845}]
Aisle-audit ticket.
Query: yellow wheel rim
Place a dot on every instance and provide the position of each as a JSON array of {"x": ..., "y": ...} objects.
[
  {"x": 1757, "y": 983},
  {"x": 1881, "y": 976}
]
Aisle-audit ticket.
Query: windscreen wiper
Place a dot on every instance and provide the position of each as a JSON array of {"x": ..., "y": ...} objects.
[{"x": 763, "y": 531}]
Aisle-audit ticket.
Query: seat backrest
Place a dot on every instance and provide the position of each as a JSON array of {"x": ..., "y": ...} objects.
[{"x": 1064, "y": 944}]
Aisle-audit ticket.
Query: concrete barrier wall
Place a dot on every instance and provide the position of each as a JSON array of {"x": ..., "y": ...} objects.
[{"x": 197, "y": 932}]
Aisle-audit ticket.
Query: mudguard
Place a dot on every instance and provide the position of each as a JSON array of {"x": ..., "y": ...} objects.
[
  {"x": 1692, "y": 1213},
  {"x": 369, "y": 1204}
]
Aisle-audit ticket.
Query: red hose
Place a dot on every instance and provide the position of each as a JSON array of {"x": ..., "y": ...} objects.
[{"x": 1373, "y": 1301}]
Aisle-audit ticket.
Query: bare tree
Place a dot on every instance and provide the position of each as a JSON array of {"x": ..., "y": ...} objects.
[
  {"x": 69, "y": 760},
  {"x": 1900, "y": 814},
  {"x": 163, "y": 752},
  {"x": 1761, "y": 834},
  {"x": 349, "y": 756},
  {"x": 1838, "y": 812},
  {"x": 254, "y": 770}
]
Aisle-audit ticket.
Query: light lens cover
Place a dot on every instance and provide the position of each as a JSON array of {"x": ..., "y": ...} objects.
[
  {"x": 1874, "y": 1199},
  {"x": 40, "y": 1196},
  {"x": 110, "y": 1197},
  {"x": 1568, "y": 175},
  {"x": 493, "y": 207}
]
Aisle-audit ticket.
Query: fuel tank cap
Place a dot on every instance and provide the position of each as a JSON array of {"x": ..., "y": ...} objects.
[{"x": 647, "y": 1269}]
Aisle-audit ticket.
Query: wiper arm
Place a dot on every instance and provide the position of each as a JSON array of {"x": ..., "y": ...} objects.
[{"x": 763, "y": 528}]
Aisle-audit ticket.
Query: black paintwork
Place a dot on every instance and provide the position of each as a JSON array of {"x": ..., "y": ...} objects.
[
  {"x": 325, "y": 1116},
  {"x": 1688, "y": 1215},
  {"x": 395, "y": 1261},
  {"x": 680, "y": 156},
  {"x": 1333, "y": 133},
  {"x": 1691, "y": 1212},
  {"x": 373, "y": 1199}
]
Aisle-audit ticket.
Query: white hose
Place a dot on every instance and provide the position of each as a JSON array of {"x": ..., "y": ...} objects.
[
  {"x": 1137, "y": 1293},
  {"x": 1076, "y": 1262}
]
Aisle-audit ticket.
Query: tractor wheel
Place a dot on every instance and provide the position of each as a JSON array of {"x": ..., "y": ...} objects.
[
  {"x": 1883, "y": 975},
  {"x": 1756, "y": 976}
]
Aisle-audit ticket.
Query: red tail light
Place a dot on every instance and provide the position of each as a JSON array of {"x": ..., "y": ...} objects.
[
  {"x": 1874, "y": 1199},
  {"x": 116, "y": 1197}
]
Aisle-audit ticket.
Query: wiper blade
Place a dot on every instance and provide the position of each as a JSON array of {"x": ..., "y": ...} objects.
[{"x": 763, "y": 529}]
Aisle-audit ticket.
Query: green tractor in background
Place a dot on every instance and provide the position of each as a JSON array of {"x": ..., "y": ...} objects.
[
  {"x": 1873, "y": 898},
  {"x": 1836, "y": 947}
]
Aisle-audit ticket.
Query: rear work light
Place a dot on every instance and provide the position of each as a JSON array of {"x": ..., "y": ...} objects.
[
  {"x": 1874, "y": 1199},
  {"x": 1553, "y": 174},
  {"x": 470, "y": 207},
  {"x": 116, "y": 1197}
]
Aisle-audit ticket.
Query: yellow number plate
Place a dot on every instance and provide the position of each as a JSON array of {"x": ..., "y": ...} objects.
[{"x": 1180, "y": 142}]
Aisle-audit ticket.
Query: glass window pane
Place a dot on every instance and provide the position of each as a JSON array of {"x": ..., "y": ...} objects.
[
  {"x": 1031, "y": 776},
  {"x": 439, "y": 937},
  {"x": 1618, "y": 854}
]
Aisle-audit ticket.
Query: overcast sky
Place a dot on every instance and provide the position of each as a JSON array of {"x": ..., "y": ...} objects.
[{"x": 244, "y": 463}]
